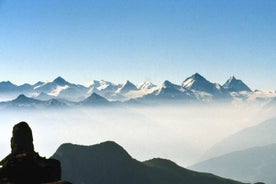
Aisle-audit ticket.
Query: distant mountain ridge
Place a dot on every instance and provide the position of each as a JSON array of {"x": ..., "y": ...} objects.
[
  {"x": 108, "y": 162},
  {"x": 248, "y": 165},
  {"x": 259, "y": 135},
  {"x": 195, "y": 88}
]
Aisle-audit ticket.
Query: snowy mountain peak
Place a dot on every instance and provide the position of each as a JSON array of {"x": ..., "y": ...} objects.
[
  {"x": 145, "y": 85},
  {"x": 195, "y": 81},
  {"x": 126, "y": 87},
  {"x": 169, "y": 85},
  {"x": 235, "y": 85},
  {"x": 104, "y": 85},
  {"x": 60, "y": 81},
  {"x": 198, "y": 83}
]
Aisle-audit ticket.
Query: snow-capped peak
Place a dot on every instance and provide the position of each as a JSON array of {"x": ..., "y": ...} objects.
[
  {"x": 103, "y": 85},
  {"x": 126, "y": 87},
  {"x": 198, "y": 83},
  {"x": 235, "y": 85},
  {"x": 94, "y": 83},
  {"x": 60, "y": 81},
  {"x": 58, "y": 90},
  {"x": 196, "y": 78},
  {"x": 145, "y": 85}
]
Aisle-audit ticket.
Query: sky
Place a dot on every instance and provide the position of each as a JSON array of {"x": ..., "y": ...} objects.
[{"x": 138, "y": 40}]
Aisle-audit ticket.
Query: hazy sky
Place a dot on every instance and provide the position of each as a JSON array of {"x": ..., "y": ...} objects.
[{"x": 139, "y": 40}]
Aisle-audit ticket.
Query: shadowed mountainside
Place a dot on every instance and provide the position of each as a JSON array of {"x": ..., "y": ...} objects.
[
  {"x": 258, "y": 135},
  {"x": 251, "y": 165},
  {"x": 108, "y": 162}
]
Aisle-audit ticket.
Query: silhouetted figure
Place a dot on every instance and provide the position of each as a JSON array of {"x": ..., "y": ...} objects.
[{"x": 23, "y": 165}]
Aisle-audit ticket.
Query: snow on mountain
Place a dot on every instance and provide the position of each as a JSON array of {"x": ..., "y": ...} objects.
[
  {"x": 126, "y": 87},
  {"x": 260, "y": 96},
  {"x": 198, "y": 83},
  {"x": 169, "y": 87},
  {"x": 203, "y": 89},
  {"x": 43, "y": 96},
  {"x": 272, "y": 103},
  {"x": 50, "y": 86},
  {"x": 57, "y": 91},
  {"x": 146, "y": 85},
  {"x": 94, "y": 83},
  {"x": 106, "y": 85},
  {"x": 141, "y": 90},
  {"x": 62, "y": 89},
  {"x": 38, "y": 85},
  {"x": 235, "y": 85},
  {"x": 195, "y": 87},
  {"x": 107, "y": 90},
  {"x": 169, "y": 91}
]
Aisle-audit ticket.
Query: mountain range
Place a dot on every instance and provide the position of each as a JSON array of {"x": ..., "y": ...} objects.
[
  {"x": 108, "y": 162},
  {"x": 193, "y": 89}
]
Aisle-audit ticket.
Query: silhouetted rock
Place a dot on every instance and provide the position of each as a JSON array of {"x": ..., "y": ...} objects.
[{"x": 23, "y": 165}]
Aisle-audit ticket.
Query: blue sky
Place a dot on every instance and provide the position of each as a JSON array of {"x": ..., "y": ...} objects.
[{"x": 139, "y": 40}]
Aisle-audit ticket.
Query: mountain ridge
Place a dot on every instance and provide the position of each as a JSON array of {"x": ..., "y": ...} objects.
[
  {"x": 108, "y": 162},
  {"x": 251, "y": 164}
]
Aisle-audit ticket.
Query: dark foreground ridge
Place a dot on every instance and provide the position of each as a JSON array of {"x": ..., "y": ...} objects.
[{"x": 108, "y": 162}]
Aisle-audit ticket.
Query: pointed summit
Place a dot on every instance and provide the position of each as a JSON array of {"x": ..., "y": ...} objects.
[
  {"x": 197, "y": 76},
  {"x": 22, "y": 99},
  {"x": 128, "y": 86},
  {"x": 94, "y": 98},
  {"x": 60, "y": 81},
  {"x": 235, "y": 85},
  {"x": 199, "y": 83}
]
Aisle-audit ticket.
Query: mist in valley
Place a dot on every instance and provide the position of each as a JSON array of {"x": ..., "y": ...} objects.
[{"x": 181, "y": 133}]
